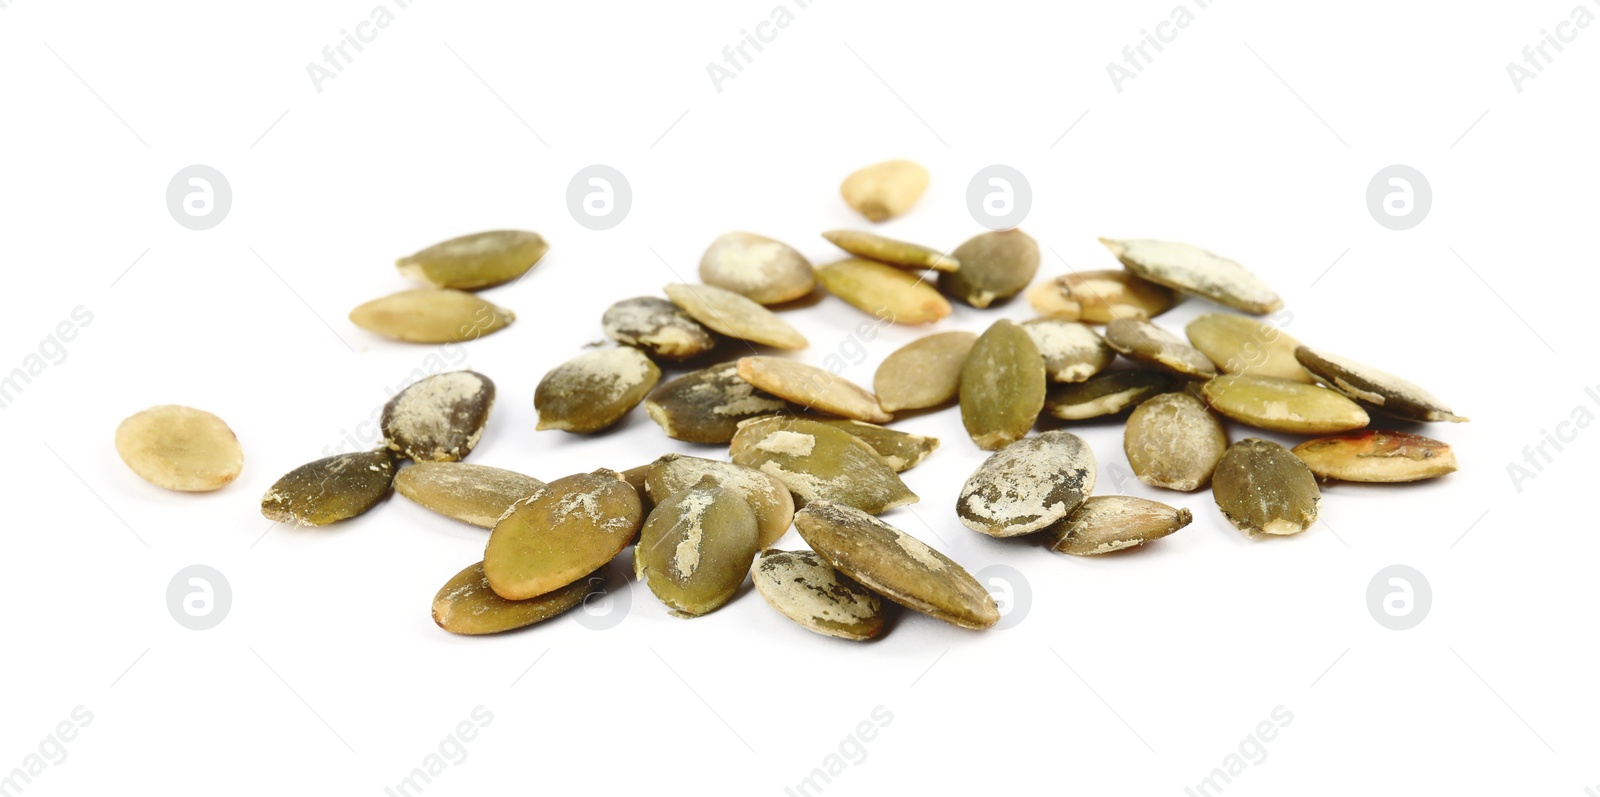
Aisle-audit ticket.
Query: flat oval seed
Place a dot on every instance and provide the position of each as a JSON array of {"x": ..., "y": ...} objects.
[
  {"x": 884, "y": 190},
  {"x": 330, "y": 489},
  {"x": 735, "y": 316},
  {"x": 1107, "y": 393},
  {"x": 1072, "y": 351},
  {"x": 1377, "y": 456},
  {"x": 896, "y": 565},
  {"x": 757, "y": 267},
  {"x": 1191, "y": 269},
  {"x": 696, "y": 548},
  {"x": 900, "y": 450},
  {"x": 820, "y": 463},
  {"x": 466, "y": 604},
  {"x": 439, "y": 418},
  {"x": 994, "y": 266},
  {"x": 180, "y": 448},
  {"x": 566, "y": 530},
  {"x": 1145, "y": 342},
  {"x": 476, "y": 261},
  {"x": 657, "y": 326},
  {"x": 1389, "y": 393},
  {"x": 803, "y": 587},
  {"x": 893, "y": 294},
  {"x": 1237, "y": 344},
  {"x": 1173, "y": 441},
  {"x": 431, "y": 315},
  {"x": 923, "y": 373},
  {"x": 888, "y": 250},
  {"x": 1263, "y": 489},
  {"x": 476, "y": 494},
  {"x": 1002, "y": 386},
  {"x": 1028, "y": 485},
  {"x": 1107, "y": 523},
  {"x": 812, "y": 388},
  {"x": 706, "y": 406},
  {"x": 767, "y": 497},
  {"x": 594, "y": 390},
  {"x": 1099, "y": 297},
  {"x": 1280, "y": 405}
]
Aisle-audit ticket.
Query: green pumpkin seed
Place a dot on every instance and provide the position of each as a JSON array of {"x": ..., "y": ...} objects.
[
  {"x": 636, "y": 477},
  {"x": 330, "y": 489},
  {"x": 820, "y": 463},
  {"x": 180, "y": 448},
  {"x": 767, "y": 497},
  {"x": 658, "y": 327},
  {"x": 923, "y": 373},
  {"x": 1263, "y": 489},
  {"x": 1028, "y": 485},
  {"x": 900, "y": 450},
  {"x": 466, "y": 604},
  {"x": 696, "y": 548},
  {"x": 1072, "y": 351},
  {"x": 1145, "y": 342},
  {"x": 1107, "y": 523},
  {"x": 1238, "y": 345},
  {"x": 1194, "y": 270},
  {"x": 887, "y": 292},
  {"x": 1173, "y": 441},
  {"x": 431, "y": 315},
  {"x": 1377, "y": 456},
  {"x": 1280, "y": 405},
  {"x": 1100, "y": 297},
  {"x": 594, "y": 390},
  {"x": 1002, "y": 386},
  {"x": 812, "y": 388},
  {"x": 706, "y": 406},
  {"x": 561, "y": 533},
  {"x": 1106, "y": 393},
  {"x": 735, "y": 316},
  {"x": 476, "y": 261},
  {"x": 439, "y": 418},
  {"x": 884, "y": 190},
  {"x": 803, "y": 587},
  {"x": 994, "y": 266},
  {"x": 888, "y": 250},
  {"x": 475, "y": 494},
  {"x": 758, "y": 268},
  {"x": 1389, "y": 393}
]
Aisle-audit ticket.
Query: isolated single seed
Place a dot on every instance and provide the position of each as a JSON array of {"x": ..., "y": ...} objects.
[
  {"x": 900, "y": 450},
  {"x": 803, "y": 587},
  {"x": 476, "y": 494},
  {"x": 439, "y": 418},
  {"x": 1263, "y": 489},
  {"x": 1238, "y": 344},
  {"x": 884, "y": 190},
  {"x": 735, "y": 316},
  {"x": 476, "y": 261},
  {"x": 1391, "y": 394},
  {"x": 1106, "y": 523},
  {"x": 757, "y": 267},
  {"x": 1173, "y": 441},
  {"x": 1099, "y": 297},
  {"x": 1280, "y": 405},
  {"x": 330, "y": 489},
  {"x": 1191, "y": 269},
  {"x": 923, "y": 373},
  {"x": 706, "y": 406},
  {"x": 431, "y": 315},
  {"x": 767, "y": 497},
  {"x": 994, "y": 266},
  {"x": 467, "y": 605},
  {"x": 594, "y": 390},
  {"x": 812, "y": 388},
  {"x": 1106, "y": 393},
  {"x": 820, "y": 463},
  {"x": 1072, "y": 351},
  {"x": 1145, "y": 342},
  {"x": 696, "y": 548},
  {"x": 565, "y": 530},
  {"x": 1377, "y": 456},
  {"x": 1028, "y": 485},
  {"x": 658, "y": 327},
  {"x": 887, "y": 292},
  {"x": 1002, "y": 386},
  {"x": 891, "y": 251},
  {"x": 180, "y": 448},
  {"x": 896, "y": 565}
]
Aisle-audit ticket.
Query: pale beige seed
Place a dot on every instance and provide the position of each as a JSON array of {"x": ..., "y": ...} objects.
[
  {"x": 475, "y": 494},
  {"x": 1385, "y": 391},
  {"x": 757, "y": 267},
  {"x": 1106, "y": 523},
  {"x": 1173, "y": 441},
  {"x": 820, "y": 463},
  {"x": 439, "y": 418},
  {"x": 812, "y": 388},
  {"x": 735, "y": 316},
  {"x": 1237, "y": 344},
  {"x": 1280, "y": 405},
  {"x": 994, "y": 266},
  {"x": 1028, "y": 485},
  {"x": 1072, "y": 351},
  {"x": 1145, "y": 342},
  {"x": 900, "y": 450},
  {"x": 706, "y": 406},
  {"x": 476, "y": 261},
  {"x": 431, "y": 315},
  {"x": 887, "y": 292},
  {"x": 1377, "y": 456},
  {"x": 1107, "y": 393},
  {"x": 594, "y": 390},
  {"x": 180, "y": 448},
  {"x": 1262, "y": 488},
  {"x": 696, "y": 548},
  {"x": 1100, "y": 297},
  {"x": 1193, "y": 270},
  {"x": 330, "y": 489},
  {"x": 768, "y": 497},
  {"x": 658, "y": 327},
  {"x": 884, "y": 190},
  {"x": 467, "y": 605},
  {"x": 564, "y": 531},
  {"x": 1002, "y": 386},
  {"x": 891, "y": 251},
  {"x": 923, "y": 373},
  {"x": 803, "y": 587}
]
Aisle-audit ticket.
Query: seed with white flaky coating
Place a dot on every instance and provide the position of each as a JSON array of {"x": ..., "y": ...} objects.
[
  {"x": 439, "y": 418},
  {"x": 594, "y": 390},
  {"x": 1385, "y": 391},
  {"x": 1191, "y": 269},
  {"x": 1107, "y": 523},
  {"x": 1028, "y": 485},
  {"x": 803, "y": 587},
  {"x": 567, "y": 529},
  {"x": 658, "y": 327},
  {"x": 1145, "y": 342},
  {"x": 1099, "y": 297},
  {"x": 706, "y": 406},
  {"x": 1107, "y": 393},
  {"x": 1072, "y": 351},
  {"x": 757, "y": 267},
  {"x": 812, "y": 388},
  {"x": 820, "y": 463},
  {"x": 1262, "y": 488},
  {"x": 330, "y": 489},
  {"x": 1173, "y": 441},
  {"x": 767, "y": 497},
  {"x": 696, "y": 547}
]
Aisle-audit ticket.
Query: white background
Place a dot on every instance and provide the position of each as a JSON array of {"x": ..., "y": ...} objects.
[{"x": 1253, "y": 134}]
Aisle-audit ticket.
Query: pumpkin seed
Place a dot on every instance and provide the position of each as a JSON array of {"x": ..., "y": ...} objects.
[
  {"x": 887, "y": 292},
  {"x": 476, "y": 261},
  {"x": 1385, "y": 391},
  {"x": 180, "y": 448},
  {"x": 803, "y": 587},
  {"x": 439, "y": 418},
  {"x": 923, "y": 373},
  {"x": 657, "y": 326},
  {"x": 1106, "y": 393},
  {"x": 431, "y": 315},
  {"x": 705, "y": 406},
  {"x": 1194, "y": 270},
  {"x": 1002, "y": 386},
  {"x": 1263, "y": 489},
  {"x": 888, "y": 250},
  {"x": 564, "y": 531},
  {"x": 1377, "y": 456},
  {"x": 896, "y": 565},
  {"x": 635, "y": 477},
  {"x": 1028, "y": 485},
  {"x": 1173, "y": 441},
  {"x": 820, "y": 463},
  {"x": 1099, "y": 297},
  {"x": 767, "y": 497},
  {"x": 1280, "y": 405},
  {"x": 1145, "y": 342},
  {"x": 812, "y": 388},
  {"x": 1106, "y": 523},
  {"x": 467, "y": 605},
  {"x": 1238, "y": 345},
  {"x": 994, "y": 266},
  {"x": 475, "y": 494},
  {"x": 900, "y": 450},
  {"x": 735, "y": 316},
  {"x": 1072, "y": 351},
  {"x": 696, "y": 547},
  {"x": 594, "y": 390},
  {"x": 330, "y": 489},
  {"x": 884, "y": 190},
  {"x": 757, "y": 267}
]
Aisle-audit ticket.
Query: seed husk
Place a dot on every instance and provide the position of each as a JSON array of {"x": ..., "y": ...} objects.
[
  {"x": 1237, "y": 344},
  {"x": 706, "y": 406},
  {"x": 1106, "y": 393},
  {"x": 757, "y": 267},
  {"x": 476, "y": 261},
  {"x": 887, "y": 292},
  {"x": 1002, "y": 386},
  {"x": 1145, "y": 342},
  {"x": 1375, "y": 455},
  {"x": 896, "y": 565},
  {"x": 431, "y": 315},
  {"x": 891, "y": 251},
  {"x": 884, "y": 190},
  {"x": 439, "y": 418},
  {"x": 330, "y": 489},
  {"x": 594, "y": 390},
  {"x": 1099, "y": 297},
  {"x": 994, "y": 266},
  {"x": 767, "y": 497},
  {"x": 658, "y": 327},
  {"x": 812, "y": 388},
  {"x": 1281, "y": 405},
  {"x": 1072, "y": 351},
  {"x": 1106, "y": 523},
  {"x": 1028, "y": 485},
  {"x": 1262, "y": 488},
  {"x": 900, "y": 450},
  {"x": 820, "y": 463},
  {"x": 467, "y": 605},
  {"x": 696, "y": 548},
  {"x": 923, "y": 373},
  {"x": 1388, "y": 393},
  {"x": 564, "y": 531},
  {"x": 475, "y": 494},
  {"x": 1193, "y": 270},
  {"x": 735, "y": 316},
  {"x": 1173, "y": 441},
  {"x": 180, "y": 448},
  {"x": 803, "y": 587}
]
